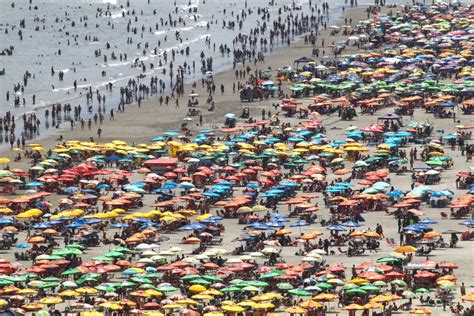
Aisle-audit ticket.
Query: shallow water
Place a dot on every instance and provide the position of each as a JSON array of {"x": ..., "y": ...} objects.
[{"x": 49, "y": 27}]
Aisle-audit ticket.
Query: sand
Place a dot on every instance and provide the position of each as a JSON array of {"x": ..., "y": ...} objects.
[{"x": 141, "y": 124}]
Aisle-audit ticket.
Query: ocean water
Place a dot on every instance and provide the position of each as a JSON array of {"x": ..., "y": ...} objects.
[{"x": 49, "y": 29}]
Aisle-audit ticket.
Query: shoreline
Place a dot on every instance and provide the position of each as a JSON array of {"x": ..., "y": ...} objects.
[{"x": 224, "y": 103}]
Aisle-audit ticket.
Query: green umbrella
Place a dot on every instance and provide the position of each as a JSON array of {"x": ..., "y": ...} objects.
[
  {"x": 284, "y": 286},
  {"x": 166, "y": 289},
  {"x": 379, "y": 283},
  {"x": 349, "y": 286},
  {"x": 236, "y": 281},
  {"x": 71, "y": 272},
  {"x": 369, "y": 288},
  {"x": 408, "y": 294},
  {"x": 422, "y": 290},
  {"x": 126, "y": 284},
  {"x": 103, "y": 258},
  {"x": 271, "y": 274},
  {"x": 142, "y": 280},
  {"x": 77, "y": 246},
  {"x": 67, "y": 251},
  {"x": 190, "y": 277},
  {"x": 399, "y": 282},
  {"x": 51, "y": 279},
  {"x": 258, "y": 283},
  {"x": 48, "y": 285},
  {"x": 299, "y": 292},
  {"x": 121, "y": 249},
  {"x": 356, "y": 292},
  {"x": 17, "y": 278},
  {"x": 42, "y": 313},
  {"x": 230, "y": 289},
  {"x": 213, "y": 278},
  {"x": 113, "y": 254},
  {"x": 387, "y": 260},
  {"x": 447, "y": 286},
  {"x": 324, "y": 286},
  {"x": 105, "y": 287},
  {"x": 4, "y": 282},
  {"x": 200, "y": 281}
]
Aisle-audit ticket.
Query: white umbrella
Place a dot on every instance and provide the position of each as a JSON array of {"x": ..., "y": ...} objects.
[
  {"x": 144, "y": 246},
  {"x": 432, "y": 172},
  {"x": 234, "y": 260},
  {"x": 145, "y": 260},
  {"x": 148, "y": 253},
  {"x": 175, "y": 249},
  {"x": 157, "y": 258},
  {"x": 256, "y": 254},
  {"x": 191, "y": 260},
  {"x": 69, "y": 284},
  {"x": 310, "y": 259},
  {"x": 166, "y": 253},
  {"x": 269, "y": 250},
  {"x": 202, "y": 257},
  {"x": 246, "y": 257},
  {"x": 317, "y": 251}
]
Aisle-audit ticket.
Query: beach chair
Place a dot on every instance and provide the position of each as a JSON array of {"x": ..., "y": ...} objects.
[{"x": 390, "y": 242}]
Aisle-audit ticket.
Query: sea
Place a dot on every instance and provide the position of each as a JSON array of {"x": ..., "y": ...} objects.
[{"x": 64, "y": 35}]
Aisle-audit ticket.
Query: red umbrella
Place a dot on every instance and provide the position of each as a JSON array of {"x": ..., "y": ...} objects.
[{"x": 424, "y": 275}]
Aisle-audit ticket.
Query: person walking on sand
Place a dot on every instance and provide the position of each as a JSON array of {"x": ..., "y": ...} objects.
[{"x": 99, "y": 132}]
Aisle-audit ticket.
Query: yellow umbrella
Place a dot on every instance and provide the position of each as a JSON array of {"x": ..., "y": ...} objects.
[
  {"x": 68, "y": 293},
  {"x": 264, "y": 305},
  {"x": 353, "y": 307},
  {"x": 51, "y": 300},
  {"x": 468, "y": 297},
  {"x": 202, "y": 297},
  {"x": 172, "y": 306},
  {"x": 196, "y": 288},
  {"x": 92, "y": 313},
  {"x": 296, "y": 310},
  {"x": 233, "y": 308},
  {"x": 4, "y": 160},
  {"x": 111, "y": 305}
]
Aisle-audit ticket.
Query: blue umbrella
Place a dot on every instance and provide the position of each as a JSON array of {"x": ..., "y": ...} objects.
[
  {"x": 22, "y": 246},
  {"x": 186, "y": 185},
  {"x": 170, "y": 185},
  {"x": 468, "y": 222},
  {"x": 6, "y": 221},
  {"x": 71, "y": 190},
  {"x": 299, "y": 223},
  {"x": 259, "y": 226},
  {"x": 351, "y": 224},
  {"x": 428, "y": 221},
  {"x": 395, "y": 193},
  {"x": 336, "y": 228},
  {"x": 275, "y": 224},
  {"x": 103, "y": 186},
  {"x": 119, "y": 225},
  {"x": 34, "y": 184},
  {"x": 41, "y": 226}
]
